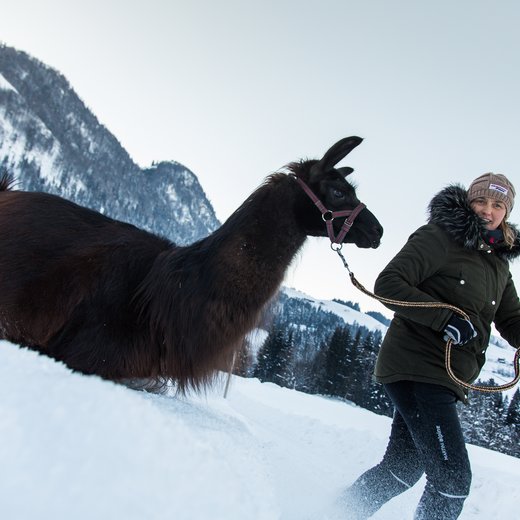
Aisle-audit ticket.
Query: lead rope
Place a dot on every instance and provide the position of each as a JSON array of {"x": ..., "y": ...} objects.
[{"x": 449, "y": 343}]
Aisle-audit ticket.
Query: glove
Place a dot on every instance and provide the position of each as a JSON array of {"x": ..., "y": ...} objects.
[{"x": 459, "y": 330}]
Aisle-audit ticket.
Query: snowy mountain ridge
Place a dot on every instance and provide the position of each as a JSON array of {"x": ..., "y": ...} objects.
[
  {"x": 347, "y": 314},
  {"x": 50, "y": 141}
]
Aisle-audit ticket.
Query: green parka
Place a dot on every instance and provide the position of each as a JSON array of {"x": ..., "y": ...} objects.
[{"x": 446, "y": 260}]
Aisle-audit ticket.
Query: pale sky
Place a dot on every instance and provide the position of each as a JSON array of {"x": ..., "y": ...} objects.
[{"x": 234, "y": 90}]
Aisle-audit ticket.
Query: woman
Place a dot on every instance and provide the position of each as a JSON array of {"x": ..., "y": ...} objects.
[{"x": 460, "y": 257}]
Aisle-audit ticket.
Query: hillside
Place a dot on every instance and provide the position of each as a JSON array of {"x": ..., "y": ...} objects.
[
  {"x": 499, "y": 355},
  {"x": 79, "y": 447}
]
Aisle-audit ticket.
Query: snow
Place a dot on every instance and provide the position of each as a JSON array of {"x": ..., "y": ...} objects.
[
  {"x": 78, "y": 447},
  {"x": 187, "y": 177},
  {"x": 5, "y": 85},
  {"x": 349, "y": 315},
  {"x": 172, "y": 194},
  {"x": 255, "y": 341},
  {"x": 499, "y": 364},
  {"x": 82, "y": 127},
  {"x": 15, "y": 147},
  {"x": 9, "y": 143}
]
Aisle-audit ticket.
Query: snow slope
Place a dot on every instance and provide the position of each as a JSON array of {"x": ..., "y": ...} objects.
[
  {"x": 499, "y": 364},
  {"x": 348, "y": 315},
  {"x": 77, "y": 447}
]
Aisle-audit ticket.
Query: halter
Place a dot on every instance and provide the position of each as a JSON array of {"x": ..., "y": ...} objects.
[{"x": 328, "y": 216}]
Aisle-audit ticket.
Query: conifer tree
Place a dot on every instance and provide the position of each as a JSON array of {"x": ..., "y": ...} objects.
[
  {"x": 284, "y": 373},
  {"x": 275, "y": 359},
  {"x": 513, "y": 411},
  {"x": 354, "y": 389},
  {"x": 337, "y": 363},
  {"x": 318, "y": 369},
  {"x": 303, "y": 366}
]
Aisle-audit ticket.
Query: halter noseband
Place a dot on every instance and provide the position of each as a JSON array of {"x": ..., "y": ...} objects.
[{"x": 328, "y": 216}]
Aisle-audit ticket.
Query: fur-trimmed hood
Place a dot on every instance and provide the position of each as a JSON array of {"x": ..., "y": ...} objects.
[{"x": 451, "y": 211}]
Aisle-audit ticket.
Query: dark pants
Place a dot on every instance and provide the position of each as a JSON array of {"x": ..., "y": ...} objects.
[{"x": 426, "y": 437}]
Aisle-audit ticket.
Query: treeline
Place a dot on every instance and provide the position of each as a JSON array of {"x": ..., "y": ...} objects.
[
  {"x": 315, "y": 352},
  {"x": 492, "y": 420},
  {"x": 341, "y": 367}
]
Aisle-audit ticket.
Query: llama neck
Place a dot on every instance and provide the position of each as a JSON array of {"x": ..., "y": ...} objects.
[
  {"x": 202, "y": 299},
  {"x": 241, "y": 264},
  {"x": 253, "y": 248}
]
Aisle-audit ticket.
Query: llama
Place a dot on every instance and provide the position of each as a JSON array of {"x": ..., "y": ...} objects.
[{"x": 107, "y": 298}]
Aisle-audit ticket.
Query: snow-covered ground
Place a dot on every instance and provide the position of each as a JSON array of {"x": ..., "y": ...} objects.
[
  {"x": 77, "y": 447},
  {"x": 499, "y": 364}
]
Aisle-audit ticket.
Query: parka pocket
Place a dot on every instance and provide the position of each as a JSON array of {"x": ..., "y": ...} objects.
[{"x": 469, "y": 289}]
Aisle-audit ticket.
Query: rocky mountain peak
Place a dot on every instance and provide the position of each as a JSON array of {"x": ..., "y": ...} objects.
[{"x": 50, "y": 141}]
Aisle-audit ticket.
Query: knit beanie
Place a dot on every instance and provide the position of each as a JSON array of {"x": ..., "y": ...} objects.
[{"x": 494, "y": 186}]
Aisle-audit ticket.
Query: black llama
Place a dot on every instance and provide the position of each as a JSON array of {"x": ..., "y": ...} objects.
[{"x": 110, "y": 299}]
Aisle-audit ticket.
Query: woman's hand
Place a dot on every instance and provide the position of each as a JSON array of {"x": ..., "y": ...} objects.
[{"x": 459, "y": 330}]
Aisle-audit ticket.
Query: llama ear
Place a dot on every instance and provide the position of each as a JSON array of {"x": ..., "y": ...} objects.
[
  {"x": 346, "y": 170},
  {"x": 337, "y": 151}
]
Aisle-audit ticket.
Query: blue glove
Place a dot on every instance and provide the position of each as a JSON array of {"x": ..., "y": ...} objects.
[{"x": 459, "y": 330}]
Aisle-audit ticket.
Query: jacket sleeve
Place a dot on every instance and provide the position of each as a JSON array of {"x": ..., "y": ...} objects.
[
  {"x": 507, "y": 318},
  {"x": 421, "y": 257}
]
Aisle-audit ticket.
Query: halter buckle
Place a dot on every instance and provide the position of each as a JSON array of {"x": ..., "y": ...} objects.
[{"x": 327, "y": 216}]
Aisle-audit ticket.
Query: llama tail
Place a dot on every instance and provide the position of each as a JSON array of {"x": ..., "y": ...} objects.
[{"x": 7, "y": 181}]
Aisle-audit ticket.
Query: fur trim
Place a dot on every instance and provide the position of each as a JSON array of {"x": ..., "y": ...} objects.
[{"x": 451, "y": 211}]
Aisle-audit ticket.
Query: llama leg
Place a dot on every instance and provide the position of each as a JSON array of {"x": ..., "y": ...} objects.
[{"x": 103, "y": 343}]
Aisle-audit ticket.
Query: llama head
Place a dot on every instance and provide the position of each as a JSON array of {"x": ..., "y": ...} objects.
[{"x": 330, "y": 186}]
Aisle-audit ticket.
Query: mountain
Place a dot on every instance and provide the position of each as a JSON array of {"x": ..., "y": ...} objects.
[
  {"x": 50, "y": 141},
  {"x": 78, "y": 447}
]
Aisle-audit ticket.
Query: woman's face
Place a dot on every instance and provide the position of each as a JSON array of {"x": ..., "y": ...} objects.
[{"x": 493, "y": 211}]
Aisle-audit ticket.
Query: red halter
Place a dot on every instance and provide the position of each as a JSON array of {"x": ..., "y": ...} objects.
[{"x": 328, "y": 216}]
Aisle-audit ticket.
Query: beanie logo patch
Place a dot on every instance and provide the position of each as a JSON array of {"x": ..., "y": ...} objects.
[{"x": 499, "y": 188}]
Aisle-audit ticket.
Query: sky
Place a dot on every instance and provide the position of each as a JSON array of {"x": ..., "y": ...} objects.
[
  {"x": 74, "y": 446},
  {"x": 236, "y": 89}
]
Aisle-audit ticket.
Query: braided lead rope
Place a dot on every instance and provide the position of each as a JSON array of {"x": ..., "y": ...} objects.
[{"x": 449, "y": 343}]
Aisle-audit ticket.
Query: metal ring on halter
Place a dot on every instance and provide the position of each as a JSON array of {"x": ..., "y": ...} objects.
[
  {"x": 327, "y": 216},
  {"x": 337, "y": 248}
]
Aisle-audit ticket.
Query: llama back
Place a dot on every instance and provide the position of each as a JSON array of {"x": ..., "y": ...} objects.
[{"x": 58, "y": 262}]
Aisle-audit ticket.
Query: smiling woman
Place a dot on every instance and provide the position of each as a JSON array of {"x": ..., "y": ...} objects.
[
  {"x": 492, "y": 198},
  {"x": 461, "y": 258},
  {"x": 491, "y": 211}
]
